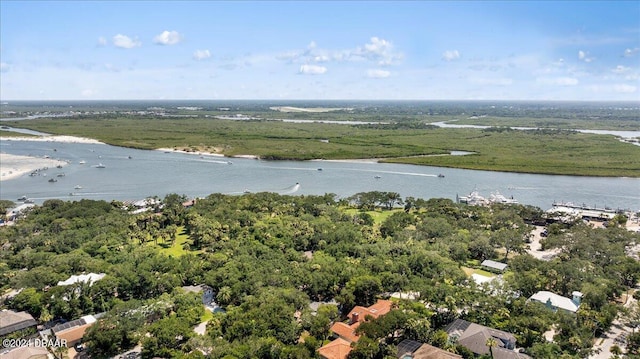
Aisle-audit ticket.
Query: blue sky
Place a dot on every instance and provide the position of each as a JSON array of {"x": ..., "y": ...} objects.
[{"x": 503, "y": 50}]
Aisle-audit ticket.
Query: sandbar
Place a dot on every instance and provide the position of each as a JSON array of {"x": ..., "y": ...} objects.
[
  {"x": 204, "y": 153},
  {"x": 55, "y": 138},
  {"x": 13, "y": 166}
]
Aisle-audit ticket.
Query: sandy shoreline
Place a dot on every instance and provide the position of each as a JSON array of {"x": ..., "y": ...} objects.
[
  {"x": 13, "y": 166},
  {"x": 60, "y": 139},
  {"x": 204, "y": 153}
]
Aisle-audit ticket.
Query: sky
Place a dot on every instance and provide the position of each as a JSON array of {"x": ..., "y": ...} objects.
[{"x": 285, "y": 50}]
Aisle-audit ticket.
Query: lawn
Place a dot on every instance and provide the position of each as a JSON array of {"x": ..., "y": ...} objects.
[
  {"x": 469, "y": 271},
  {"x": 176, "y": 250}
]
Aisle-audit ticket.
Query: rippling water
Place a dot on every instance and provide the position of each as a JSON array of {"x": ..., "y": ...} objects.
[{"x": 156, "y": 173}]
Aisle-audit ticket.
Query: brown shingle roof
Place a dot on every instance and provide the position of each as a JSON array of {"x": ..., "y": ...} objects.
[
  {"x": 427, "y": 351},
  {"x": 381, "y": 307},
  {"x": 346, "y": 332},
  {"x": 11, "y": 321},
  {"x": 26, "y": 353},
  {"x": 337, "y": 349},
  {"x": 74, "y": 334}
]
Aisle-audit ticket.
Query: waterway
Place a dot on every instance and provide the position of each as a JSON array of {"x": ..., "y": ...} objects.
[{"x": 135, "y": 174}]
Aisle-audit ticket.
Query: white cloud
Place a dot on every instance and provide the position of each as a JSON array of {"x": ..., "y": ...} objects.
[
  {"x": 620, "y": 69},
  {"x": 102, "y": 41},
  {"x": 378, "y": 74},
  {"x": 168, "y": 38},
  {"x": 624, "y": 88},
  {"x": 450, "y": 55},
  {"x": 379, "y": 50},
  {"x": 583, "y": 56},
  {"x": 630, "y": 52},
  {"x": 4, "y": 67},
  {"x": 125, "y": 42},
  {"x": 312, "y": 70},
  {"x": 201, "y": 54},
  {"x": 557, "y": 81}
]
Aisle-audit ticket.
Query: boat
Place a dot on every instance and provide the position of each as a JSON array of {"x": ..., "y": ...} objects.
[
  {"x": 82, "y": 162},
  {"x": 497, "y": 197},
  {"x": 23, "y": 198},
  {"x": 53, "y": 180},
  {"x": 77, "y": 187},
  {"x": 474, "y": 199},
  {"x": 440, "y": 175},
  {"x": 100, "y": 165},
  {"x": 59, "y": 166},
  {"x": 319, "y": 169},
  {"x": 60, "y": 174},
  {"x": 229, "y": 162},
  {"x": 377, "y": 177},
  {"x": 130, "y": 157}
]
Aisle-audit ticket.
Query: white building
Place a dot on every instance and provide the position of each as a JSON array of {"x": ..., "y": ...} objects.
[{"x": 554, "y": 301}]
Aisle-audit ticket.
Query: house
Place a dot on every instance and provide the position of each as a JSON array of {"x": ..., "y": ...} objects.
[
  {"x": 27, "y": 352},
  {"x": 494, "y": 266},
  {"x": 83, "y": 278},
  {"x": 475, "y": 336},
  {"x": 207, "y": 292},
  {"x": 555, "y": 301},
  {"x": 72, "y": 332},
  {"x": 346, "y": 333},
  {"x": 337, "y": 349},
  {"x": 11, "y": 321},
  {"x": 411, "y": 349}
]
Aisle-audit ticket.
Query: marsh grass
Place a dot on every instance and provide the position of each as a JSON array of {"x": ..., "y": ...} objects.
[{"x": 496, "y": 149}]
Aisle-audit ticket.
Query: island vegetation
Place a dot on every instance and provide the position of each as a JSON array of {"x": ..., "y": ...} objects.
[
  {"x": 266, "y": 257},
  {"x": 391, "y": 131}
]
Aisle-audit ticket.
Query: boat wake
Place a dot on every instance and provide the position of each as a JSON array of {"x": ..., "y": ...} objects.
[
  {"x": 290, "y": 190},
  {"x": 397, "y": 173}
]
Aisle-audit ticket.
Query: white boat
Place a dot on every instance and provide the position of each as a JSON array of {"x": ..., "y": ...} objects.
[
  {"x": 82, "y": 162},
  {"x": 77, "y": 187},
  {"x": 474, "y": 199},
  {"x": 100, "y": 165},
  {"x": 498, "y": 197}
]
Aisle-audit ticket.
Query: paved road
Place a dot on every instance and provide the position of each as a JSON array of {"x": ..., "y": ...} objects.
[{"x": 617, "y": 329}]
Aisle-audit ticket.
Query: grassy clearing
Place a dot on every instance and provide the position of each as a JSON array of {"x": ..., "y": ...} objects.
[
  {"x": 176, "y": 250},
  {"x": 545, "y": 152},
  {"x": 206, "y": 316},
  {"x": 469, "y": 271}
]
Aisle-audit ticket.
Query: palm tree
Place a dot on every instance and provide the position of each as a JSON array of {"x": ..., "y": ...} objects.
[
  {"x": 491, "y": 342},
  {"x": 224, "y": 295}
]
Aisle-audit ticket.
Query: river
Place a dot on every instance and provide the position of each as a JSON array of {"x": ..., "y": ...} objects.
[{"x": 135, "y": 174}]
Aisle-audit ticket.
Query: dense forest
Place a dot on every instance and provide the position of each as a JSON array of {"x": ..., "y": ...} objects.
[{"x": 268, "y": 256}]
